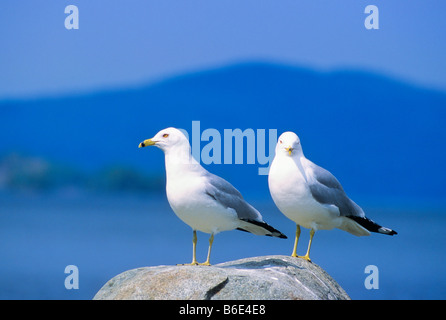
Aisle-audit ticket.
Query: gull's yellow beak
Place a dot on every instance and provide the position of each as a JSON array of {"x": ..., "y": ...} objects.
[
  {"x": 146, "y": 143},
  {"x": 289, "y": 149}
]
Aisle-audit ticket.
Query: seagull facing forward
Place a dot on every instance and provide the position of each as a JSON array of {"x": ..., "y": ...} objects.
[
  {"x": 201, "y": 199},
  {"x": 312, "y": 197}
]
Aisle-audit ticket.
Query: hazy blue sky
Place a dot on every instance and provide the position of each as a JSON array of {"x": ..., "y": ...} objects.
[{"x": 134, "y": 42}]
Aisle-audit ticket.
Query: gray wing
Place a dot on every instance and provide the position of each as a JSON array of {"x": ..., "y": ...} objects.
[
  {"x": 326, "y": 189},
  {"x": 224, "y": 193}
]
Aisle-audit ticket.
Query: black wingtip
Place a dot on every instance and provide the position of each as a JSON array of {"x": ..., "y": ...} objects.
[
  {"x": 282, "y": 236},
  {"x": 274, "y": 232},
  {"x": 387, "y": 231},
  {"x": 372, "y": 226}
]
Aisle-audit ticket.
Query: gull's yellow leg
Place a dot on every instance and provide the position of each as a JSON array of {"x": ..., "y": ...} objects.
[
  {"x": 294, "y": 254},
  {"x": 307, "y": 255},
  {"x": 211, "y": 241},
  {"x": 194, "y": 251}
]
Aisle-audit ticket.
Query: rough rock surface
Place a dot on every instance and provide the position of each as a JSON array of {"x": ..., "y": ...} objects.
[{"x": 257, "y": 278}]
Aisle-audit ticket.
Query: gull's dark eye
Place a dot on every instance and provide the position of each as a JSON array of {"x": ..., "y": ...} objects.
[
  {"x": 280, "y": 141},
  {"x": 165, "y": 135}
]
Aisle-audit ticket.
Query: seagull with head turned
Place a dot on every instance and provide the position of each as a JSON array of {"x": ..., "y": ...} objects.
[
  {"x": 202, "y": 200},
  {"x": 312, "y": 197}
]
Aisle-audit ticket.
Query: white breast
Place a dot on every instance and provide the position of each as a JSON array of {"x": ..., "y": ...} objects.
[
  {"x": 188, "y": 199},
  {"x": 291, "y": 194}
]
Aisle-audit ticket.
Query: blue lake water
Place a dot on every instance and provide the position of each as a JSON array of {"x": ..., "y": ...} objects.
[{"x": 106, "y": 235}]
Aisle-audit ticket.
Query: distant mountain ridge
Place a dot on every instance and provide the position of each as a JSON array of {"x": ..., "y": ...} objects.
[{"x": 377, "y": 135}]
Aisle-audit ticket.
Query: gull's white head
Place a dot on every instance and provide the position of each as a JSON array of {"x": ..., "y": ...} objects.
[
  {"x": 168, "y": 139},
  {"x": 288, "y": 145}
]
